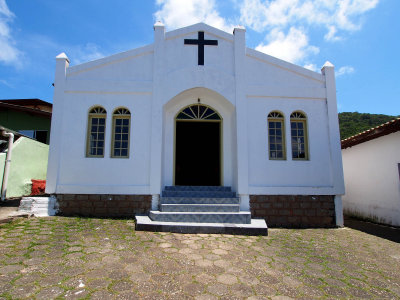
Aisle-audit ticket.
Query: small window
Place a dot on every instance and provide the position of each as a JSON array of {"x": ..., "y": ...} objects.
[
  {"x": 276, "y": 136},
  {"x": 41, "y": 136},
  {"x": 298, "y": 126},
  {"x": 121, "y": 129},
  {"x": 96, "y": 132}
]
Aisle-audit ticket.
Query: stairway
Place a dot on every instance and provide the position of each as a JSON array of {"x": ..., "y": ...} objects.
[{"x": 200, "y": 209}]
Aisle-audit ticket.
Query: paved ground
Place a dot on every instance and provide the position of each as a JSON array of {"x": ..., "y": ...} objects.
[{"x": 75, "y": 258}]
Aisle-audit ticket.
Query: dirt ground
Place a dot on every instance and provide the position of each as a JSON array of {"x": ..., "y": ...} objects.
[{"x": 75, "y": 258}]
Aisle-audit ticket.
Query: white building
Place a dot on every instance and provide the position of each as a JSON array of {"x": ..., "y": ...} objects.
[
  {"x": 196, "y": 107},
  {"x": 371, "y": 163}
]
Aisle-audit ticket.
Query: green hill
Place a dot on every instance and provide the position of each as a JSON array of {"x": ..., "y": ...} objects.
[{"x": 351, "y": 123}]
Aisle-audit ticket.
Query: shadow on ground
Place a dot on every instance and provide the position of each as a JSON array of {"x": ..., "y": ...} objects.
[
  {"x": 10, "y": 203},
  {"x": 382, "y": 231},
  {"x": 8, "y": 208}
]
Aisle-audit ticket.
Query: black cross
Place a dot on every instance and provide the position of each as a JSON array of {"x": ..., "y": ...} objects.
[{"x": 201, "y": 42}]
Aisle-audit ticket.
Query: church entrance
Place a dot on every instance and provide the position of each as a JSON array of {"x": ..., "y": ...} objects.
[{"x": 198, "y": 146}]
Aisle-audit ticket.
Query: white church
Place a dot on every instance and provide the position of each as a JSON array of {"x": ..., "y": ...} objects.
[{"x": 195, "y": 130}]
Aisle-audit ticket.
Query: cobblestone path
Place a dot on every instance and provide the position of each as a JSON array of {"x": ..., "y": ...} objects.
[{"x": 76, "y": 258}]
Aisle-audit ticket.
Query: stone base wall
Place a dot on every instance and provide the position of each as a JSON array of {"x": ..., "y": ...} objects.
[
  {"x": 294, "y": 211},
  {"x": 103, "y": 205}
]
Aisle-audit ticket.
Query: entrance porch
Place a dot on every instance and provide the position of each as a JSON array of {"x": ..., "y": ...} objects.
[{"x": 201, "y": 209}]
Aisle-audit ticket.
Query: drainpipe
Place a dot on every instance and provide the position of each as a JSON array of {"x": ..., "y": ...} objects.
[{"x": 8, "y": 163}]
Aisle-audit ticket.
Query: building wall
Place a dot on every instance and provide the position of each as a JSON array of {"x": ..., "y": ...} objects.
[
  {"x": 372, "y": 179},
  {"x": 275, "y": 176},
  {"x": 18, "y": 120},
  {"x": 105, "y": 175},
  {"x": 29, "y": 161}
]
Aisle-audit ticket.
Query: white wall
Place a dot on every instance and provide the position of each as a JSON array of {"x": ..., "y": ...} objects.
[
  {"x": 187, "y": 54},
  {"x": 80, "y": 174},
  {"x": 277, "y": 176},
  {"x": 372, "y": 179},
  {"x": 276, "y": 85}
]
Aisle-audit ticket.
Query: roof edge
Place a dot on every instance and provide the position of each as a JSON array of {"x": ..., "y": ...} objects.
[
  {"x": 284, "y": 64},
  {"x": 26, "y": 109},
  {"x": 109, "y": 59},
  {"x": 371, "y": 134}
]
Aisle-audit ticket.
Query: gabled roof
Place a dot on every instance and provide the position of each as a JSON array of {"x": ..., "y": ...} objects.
[
  {"x": 180, "y": 32},
  {"x": 373, "y": 133},
  {"x": 24, "y": 102},
  {"x": 33, "y": 106}
]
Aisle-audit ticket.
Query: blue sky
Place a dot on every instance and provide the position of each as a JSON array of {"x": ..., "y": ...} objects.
[{"x": 360, "y": 37}]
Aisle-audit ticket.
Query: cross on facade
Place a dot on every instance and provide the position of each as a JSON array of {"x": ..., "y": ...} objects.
[{"x": 201, "y": 42}]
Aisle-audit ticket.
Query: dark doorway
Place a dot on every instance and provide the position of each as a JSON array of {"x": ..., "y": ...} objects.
[{"x": 197, "y": 153}]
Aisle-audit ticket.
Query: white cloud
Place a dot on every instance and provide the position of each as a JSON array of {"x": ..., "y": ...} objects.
[
  {"x": 285, "y": 23},
  {"x": 258, "y": 15},
  {"x": 348, "y": 12},
  {"x": 312, "y": 67},
  {"x": 331, "y": 34},
  {"x": 344, "y": 70},
  {"x": 180, "y": 13},
  {"x": 9, "y": 54},
  {"x": 275, "y": 17},
  {"x": 345, "y": 15},
  {"x": 45, "y": 48},
  {"x": 292, "y": 47},
  {"x": 6, "y": 83},
  {"x": 81, "y": 54}
]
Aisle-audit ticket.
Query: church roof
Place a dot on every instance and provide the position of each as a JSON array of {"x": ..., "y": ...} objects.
[
  {"x": 373, "y": 133},
  {"x": 188, "y": 30}
]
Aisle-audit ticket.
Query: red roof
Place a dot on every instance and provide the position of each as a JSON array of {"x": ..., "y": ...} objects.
[
  {"x": 24, "y": 102},
  {"x": 373, "y": 133}
]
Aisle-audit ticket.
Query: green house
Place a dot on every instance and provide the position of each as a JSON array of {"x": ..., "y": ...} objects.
[{"x": 30, "y": 117}]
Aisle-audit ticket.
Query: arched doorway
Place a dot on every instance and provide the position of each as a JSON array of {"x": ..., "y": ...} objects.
[{"x": 198, "y": 147}]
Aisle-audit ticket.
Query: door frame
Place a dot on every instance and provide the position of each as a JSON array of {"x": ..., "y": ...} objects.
[{"x": 221, "y": 144}]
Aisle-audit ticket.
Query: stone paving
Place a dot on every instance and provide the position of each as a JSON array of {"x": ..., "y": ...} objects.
[{"x": 79, "y": 258}]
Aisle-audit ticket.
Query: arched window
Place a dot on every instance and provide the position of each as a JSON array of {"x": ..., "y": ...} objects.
[
  {"x": 96, "y": 132},
  {"x": 276, "y": 133},
  {"x": 298, "y": 125},
  {"x": 198, "y": 112},
  {"x": 121, "y": 129}
]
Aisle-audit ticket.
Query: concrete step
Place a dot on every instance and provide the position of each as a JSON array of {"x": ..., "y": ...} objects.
[
  {"x": 202, "y": 217},
  {"x": 39, "y": 206},
  {"x": 197, "y": 188},
  {"x": 188, "y": 200},
  {"x": 255, "y": 227},
  {"x": 199, "y": 207},
  {"x": 199, "y": 194}
]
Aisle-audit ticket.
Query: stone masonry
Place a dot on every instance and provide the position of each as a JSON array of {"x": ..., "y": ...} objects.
[
  {"x": 294, "y": 211},
  {"x": 103, "y": 205}
]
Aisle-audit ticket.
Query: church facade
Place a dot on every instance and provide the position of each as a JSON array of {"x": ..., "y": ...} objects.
[{"x": 196, "y": 108}]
